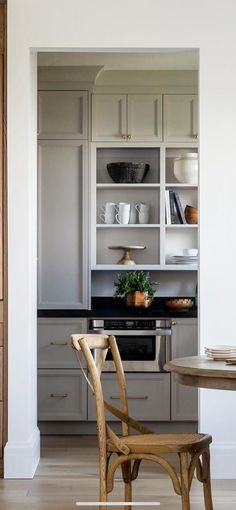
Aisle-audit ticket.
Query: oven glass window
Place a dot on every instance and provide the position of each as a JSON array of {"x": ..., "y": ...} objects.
[{"x": 135, "y": 348}]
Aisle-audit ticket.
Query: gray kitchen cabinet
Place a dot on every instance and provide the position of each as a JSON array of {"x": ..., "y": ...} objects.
[
  {"x": 62, "y": 114},
  {"x": 127, "y": 117},
  {"x": 180, "y": 117},
  {"x": 62, "y": 224},
  {"x": 54, "y": 342},
  {"x": 62, "y": 395},
  {"x": 148, "y": 396},
  {"x": 184, "y": 399}
]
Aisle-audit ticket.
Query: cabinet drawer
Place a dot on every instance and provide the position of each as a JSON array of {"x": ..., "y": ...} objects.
[
  {"x": 62, "y": 395},
  {"x": 54, "y": 342},
  {"x": 148, "y": 396}
]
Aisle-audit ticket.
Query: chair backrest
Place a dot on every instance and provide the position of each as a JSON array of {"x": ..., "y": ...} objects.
[{"x": 86, "y": 343}]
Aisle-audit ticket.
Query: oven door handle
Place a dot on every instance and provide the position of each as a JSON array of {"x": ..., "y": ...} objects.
[{"x": 139, "y": 332}]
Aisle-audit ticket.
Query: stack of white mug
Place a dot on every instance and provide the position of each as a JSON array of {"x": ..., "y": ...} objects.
[{"x": 125, "y": 213}]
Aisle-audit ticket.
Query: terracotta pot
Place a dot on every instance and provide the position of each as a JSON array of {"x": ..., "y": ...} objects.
[
  {"x": 191, "y": 214},
  {"x": 137, "y": 298}
]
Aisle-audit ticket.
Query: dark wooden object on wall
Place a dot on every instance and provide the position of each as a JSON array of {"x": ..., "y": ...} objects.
[{"x": 3, "y": 238}]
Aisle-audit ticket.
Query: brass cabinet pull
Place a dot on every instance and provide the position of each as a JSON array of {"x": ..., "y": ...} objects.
[
  {"x": 129, "y": 137},
  {"x": 61, "y": 344},
  {"x": 131, "y": 397},
  {"x": 173, "y": 323},
  {"x": 195, "y": 136},
  {"x": 59, "y": 395},
  {"x": 124, "y": 136}
]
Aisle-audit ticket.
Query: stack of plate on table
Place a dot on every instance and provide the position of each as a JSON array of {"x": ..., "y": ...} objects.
[
  {"x": 222, "y": 353},
  {"x": 183, "y": 259}
]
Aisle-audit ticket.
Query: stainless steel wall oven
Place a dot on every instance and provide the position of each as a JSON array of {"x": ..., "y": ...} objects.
[{"x": 144, "y": 344}]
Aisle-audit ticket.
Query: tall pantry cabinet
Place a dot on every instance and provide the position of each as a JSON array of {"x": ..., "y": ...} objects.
[
  {"x": 63, "y": 206},
  {"x": 3, "y": 288}
]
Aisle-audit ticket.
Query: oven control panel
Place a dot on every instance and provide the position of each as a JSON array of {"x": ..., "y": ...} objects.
[
  {"x": 129, "y": 324},
  {"x": 123, "y": 324}
]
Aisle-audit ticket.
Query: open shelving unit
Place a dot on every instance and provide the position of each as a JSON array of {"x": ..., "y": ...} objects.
[{"x": 161, "y": 240}]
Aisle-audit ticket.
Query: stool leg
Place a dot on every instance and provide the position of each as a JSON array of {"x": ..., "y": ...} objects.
[{"x": 184, "y": 480}]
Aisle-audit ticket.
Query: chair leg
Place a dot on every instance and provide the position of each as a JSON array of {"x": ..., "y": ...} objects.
[
  {"x": 207, "y": 480},
  {"x": 126, "y": 471},
  {"x": 103, "y": 493},
  {"x": 184, "y": 480}
]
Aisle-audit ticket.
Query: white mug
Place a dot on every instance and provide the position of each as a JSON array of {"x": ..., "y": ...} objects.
[
  {"x": 108, "y": 212},
  {"x": 143, "y": 212},
  {"x": 122, "y": 216},
  {"x": 133, "y": 214}
]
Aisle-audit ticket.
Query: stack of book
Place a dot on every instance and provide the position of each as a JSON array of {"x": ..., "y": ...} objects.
[{"x": 174, "y": 210}]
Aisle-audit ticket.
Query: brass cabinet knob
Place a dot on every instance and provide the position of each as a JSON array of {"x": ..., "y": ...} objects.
[
  {"x": 195, "y": 136},
  {"x": 129, "y": 137},
  {"x": 124, "y": 137},
  {"x": 173, "y": 323}
]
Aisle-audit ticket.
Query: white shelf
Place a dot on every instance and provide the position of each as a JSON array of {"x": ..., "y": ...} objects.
[
  {"x": 159, "y": 238},
  {"x": 145, "y": 267},
  {"x": 180, "y": 185},
  {"x": 181, "y": 225},
  {"x": 180, "y": 267},
  {"x": 117, "y": 185},
  {"x": 122, "y": 267},
  {"x": 130, "y": 225}
]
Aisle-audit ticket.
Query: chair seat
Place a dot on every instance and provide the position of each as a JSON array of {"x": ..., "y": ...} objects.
[{"x": 151, "y": 443}]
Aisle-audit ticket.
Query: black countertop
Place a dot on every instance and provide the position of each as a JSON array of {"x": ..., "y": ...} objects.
[{"x": 103, "y": 307}]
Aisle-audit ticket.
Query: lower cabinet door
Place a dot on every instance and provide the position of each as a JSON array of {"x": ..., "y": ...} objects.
[
  {"x": 148, "y": 396},
  {"x": 184, "y": 399},
  {"x": 62, "y": 395}
]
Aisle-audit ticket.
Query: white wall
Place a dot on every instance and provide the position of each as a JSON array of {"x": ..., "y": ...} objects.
[{"x": 134, "y": 24}]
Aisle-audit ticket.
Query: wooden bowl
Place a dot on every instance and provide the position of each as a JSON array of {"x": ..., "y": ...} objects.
[
  {"x": 179, "y": 303},
  {"x": 191, "y": 214}
]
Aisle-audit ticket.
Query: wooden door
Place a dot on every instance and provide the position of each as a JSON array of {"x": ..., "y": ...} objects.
[
  {"x": 145, "y": 117},
  {"x": 3, "y": 229}
]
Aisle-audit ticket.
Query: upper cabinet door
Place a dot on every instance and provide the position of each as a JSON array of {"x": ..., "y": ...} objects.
[
  {"x": 62, "y": 115},
  {"x": 180, "y": 118},
  {"x": 144, "y": 117},
  {"x": 109, "y": 117}
]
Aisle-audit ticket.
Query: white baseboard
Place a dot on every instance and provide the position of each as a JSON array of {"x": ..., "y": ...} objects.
[
  {"x": 223, "y": 460},
  {"x": 21, "y": 458}
]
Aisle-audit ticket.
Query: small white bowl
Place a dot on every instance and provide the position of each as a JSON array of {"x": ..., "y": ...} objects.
[{"x": 193, "y": 252}]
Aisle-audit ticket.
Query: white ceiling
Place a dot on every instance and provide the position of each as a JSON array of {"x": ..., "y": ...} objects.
[{"x": 169, "y": 59}]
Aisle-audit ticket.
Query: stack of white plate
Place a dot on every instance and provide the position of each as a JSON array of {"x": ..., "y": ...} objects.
[
  {"x": 183, "y": 259},
  {"x": 221, "y": 352}
]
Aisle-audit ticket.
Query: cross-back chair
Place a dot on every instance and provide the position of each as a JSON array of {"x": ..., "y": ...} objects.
[{"x": 130, "y": 450}]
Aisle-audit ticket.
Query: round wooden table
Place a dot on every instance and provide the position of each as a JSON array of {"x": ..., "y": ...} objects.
[{"x": 203, "y": 372}]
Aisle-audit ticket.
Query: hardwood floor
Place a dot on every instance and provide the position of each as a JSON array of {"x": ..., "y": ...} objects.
[{"x": 68, "y": 472}]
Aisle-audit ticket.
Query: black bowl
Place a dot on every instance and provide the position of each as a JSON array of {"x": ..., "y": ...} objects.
[{"x": 128, "y": 172}]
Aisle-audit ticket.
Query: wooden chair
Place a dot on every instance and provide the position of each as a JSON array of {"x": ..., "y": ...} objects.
[{"x": 130, "y": 450}]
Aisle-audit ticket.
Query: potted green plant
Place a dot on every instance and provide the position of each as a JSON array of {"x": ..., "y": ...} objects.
[{"x": 136, "y": 287}]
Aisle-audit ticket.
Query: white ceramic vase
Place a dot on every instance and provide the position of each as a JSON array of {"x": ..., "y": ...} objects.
[{"x": 186, "y": 168}]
